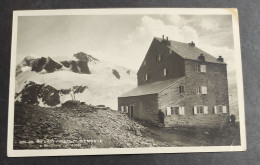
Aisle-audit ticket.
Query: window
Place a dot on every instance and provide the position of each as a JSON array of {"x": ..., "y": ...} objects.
[
  {"x": 144, "y": 63},
  {"x": 198, "y": 90},
  {"x": 203, "y": 68},
  {"x": 181, "y": 89},
  {"x": 170, "y": 51},
  {"x": 202, "y": 90},
  {"x": 164, "y": 72},
  {"x": 124, "y": 109},
  {"x": 159, "y": 58},
  {"x": 218, "y": 109},
  {"x": 200, "y": 68},
  {"x": 146, "y": 77},
  {"x": 175, "y": 111},
  {"x": 200, "y": 109}
]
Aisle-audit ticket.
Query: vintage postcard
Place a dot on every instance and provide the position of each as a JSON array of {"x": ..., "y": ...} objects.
[{"x": 125, "y": 81}]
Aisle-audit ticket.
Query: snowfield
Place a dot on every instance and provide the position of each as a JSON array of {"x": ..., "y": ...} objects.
[{"x": 103, "y": 87}]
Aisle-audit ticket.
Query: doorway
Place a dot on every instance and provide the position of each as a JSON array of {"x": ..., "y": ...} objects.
[{"x": 131, "y": 111}]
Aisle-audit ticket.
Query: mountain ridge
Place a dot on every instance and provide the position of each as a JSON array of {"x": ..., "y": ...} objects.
[{"x": 102, "y": 83}]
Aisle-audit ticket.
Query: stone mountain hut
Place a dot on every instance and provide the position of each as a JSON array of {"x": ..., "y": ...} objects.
[{"x": 187, "y": 84}]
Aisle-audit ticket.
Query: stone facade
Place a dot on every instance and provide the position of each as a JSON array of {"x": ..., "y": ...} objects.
[
  {"x": 195, "y": 75},
  {"x": 154, "y": 68},
  {"x": 145, "y": 107},
  {"x": 215, "y": 79}
]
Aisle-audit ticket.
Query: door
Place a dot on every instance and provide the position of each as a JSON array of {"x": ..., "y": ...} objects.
[{"x": 131, "y": 112}]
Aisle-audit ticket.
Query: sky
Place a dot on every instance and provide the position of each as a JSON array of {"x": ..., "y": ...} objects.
[{"x": 121, "y": 39}]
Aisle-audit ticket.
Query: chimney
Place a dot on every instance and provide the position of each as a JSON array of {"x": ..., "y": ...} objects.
[
  {"x": 220, "y": 59},
  {"x": 192, "y": 44},
  {"x": 166, "y": 38},
  {"x": 201, "y": 57},
  {"x": 163, "y": 37}
]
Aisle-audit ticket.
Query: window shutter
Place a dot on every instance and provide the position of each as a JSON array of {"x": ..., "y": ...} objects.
[
  {"x": 195, "y": 110},
  {"x": 181, "y": 111},
  {"x": 126, "y": 109},
  {"x": 168, "y": 111},
  {"x": 198, "y": 90},
  {"x": 224, "y": 109},
  {"x": 205, "y": 109},
  {"x": 203, "y": 90},
  {"x": 203, "y": 68},
  {"x": 215, "y": 109},
  {"x": 164, "y": 71},
  {"x": 146, "y": 77}
]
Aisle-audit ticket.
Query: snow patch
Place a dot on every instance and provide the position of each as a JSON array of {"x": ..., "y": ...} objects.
[
  {"x": 41, "y": 104},
  {"x": 103, "y": 87},
  {"x": 18, "y": 98},
  {"x": 26, "y": 68}
]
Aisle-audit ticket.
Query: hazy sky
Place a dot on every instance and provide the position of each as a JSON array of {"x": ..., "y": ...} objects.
[{"x": 121, "y": 39}]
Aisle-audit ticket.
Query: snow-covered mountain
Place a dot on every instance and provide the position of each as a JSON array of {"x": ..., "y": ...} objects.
[{"x": 52, "y": 81}]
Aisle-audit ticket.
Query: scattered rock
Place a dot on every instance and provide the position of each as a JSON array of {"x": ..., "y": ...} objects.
[{"x": 115, "y": 73}]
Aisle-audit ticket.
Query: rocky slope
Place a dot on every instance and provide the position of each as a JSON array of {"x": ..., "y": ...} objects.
[
  {"x": 52, "y": 81},
  {"x": 84, "y": 126}
]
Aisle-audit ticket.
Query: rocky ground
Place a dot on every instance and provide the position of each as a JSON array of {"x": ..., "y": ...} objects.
[
  {"x": 82, "y": 127},
  {"x": 85, "y": 126}
]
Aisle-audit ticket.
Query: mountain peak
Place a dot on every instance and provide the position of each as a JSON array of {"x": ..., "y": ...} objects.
[
  {"x": 29, "y": 58},
  {"x": 85, "y": 57}
]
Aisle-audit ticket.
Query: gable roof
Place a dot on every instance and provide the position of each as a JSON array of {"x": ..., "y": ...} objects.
[
  {"x": 186, "y": 51},
  {"x": 151, "y": 88}
]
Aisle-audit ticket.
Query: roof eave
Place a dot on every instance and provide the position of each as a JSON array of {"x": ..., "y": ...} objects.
[
  {"x": 207, "y": 61},
  {"x": 137, "y": 95}
]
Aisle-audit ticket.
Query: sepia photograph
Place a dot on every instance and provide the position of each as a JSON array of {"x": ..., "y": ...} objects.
[{"x": 125, "y": 81}]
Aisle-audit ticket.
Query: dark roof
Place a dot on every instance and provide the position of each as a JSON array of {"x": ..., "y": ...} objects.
[
  {"x": 151, "y": 88},
  {"x": 186, "y": 51}
]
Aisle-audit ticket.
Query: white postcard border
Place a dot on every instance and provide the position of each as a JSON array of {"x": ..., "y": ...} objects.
[{"x": 111, "y": 151}]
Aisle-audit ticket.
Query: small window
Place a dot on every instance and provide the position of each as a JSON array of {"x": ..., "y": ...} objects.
[
  {"x": 203, "y": 68},
  {"x": 198, "y": 90},
  {"x": 202, "y": 90},
  {"x": 170, "y": 51},
  {"x": 146, "y": 77},
  {"x": 200, "y": 109},
  {"x": 164, "y": 72},
  {"x": 175, "y": 111},
  {"x": 144, "y": 63},
  {"x": 218, "y": 109},
  {"x": 181, "y": 89},
  {"x": 124, "y": 109},
  {"x": 200, "y": 68},
  {"x": 159, "y": 58}
]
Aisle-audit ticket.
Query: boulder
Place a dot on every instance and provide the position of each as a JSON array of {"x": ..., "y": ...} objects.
[
  {"x": 115, "y": 73},
  {"x": 71, "y": 103}
]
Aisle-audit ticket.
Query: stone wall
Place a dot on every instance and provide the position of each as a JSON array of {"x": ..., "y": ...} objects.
[
  {"x": 215, "y": 79},
  {"x": 172, "y": 62},
  {"x": 198, "y": 120},
  {"x": 145, "y": 107}
]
